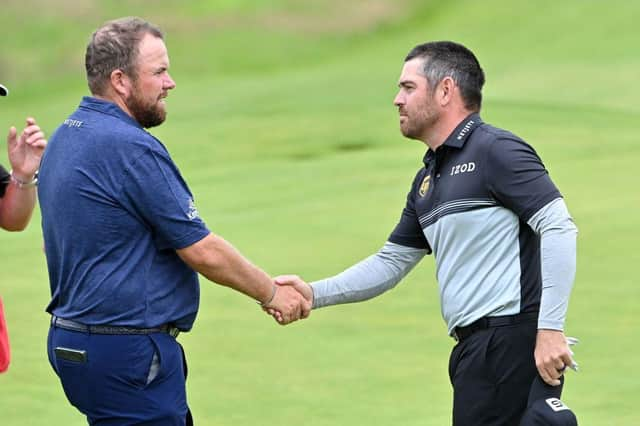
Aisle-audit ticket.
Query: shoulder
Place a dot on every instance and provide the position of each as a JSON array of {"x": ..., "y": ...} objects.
[
  {"x": 489, "y": 135},
  {"x": 501, "y": 145},
  {"x": 128, "y": 138}
]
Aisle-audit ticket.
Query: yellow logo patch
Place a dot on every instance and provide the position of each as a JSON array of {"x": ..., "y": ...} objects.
[{"x": 424, "y": 186}]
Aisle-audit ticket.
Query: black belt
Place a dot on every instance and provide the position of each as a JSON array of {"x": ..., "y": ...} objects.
[
  {"x": 111, "y": 329},
  {"x": 461, "y": 333}
]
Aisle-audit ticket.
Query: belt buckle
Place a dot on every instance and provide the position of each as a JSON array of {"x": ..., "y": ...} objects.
[
  {"x": 173, "y": 331},
  {"x": 455, "y": 335}
]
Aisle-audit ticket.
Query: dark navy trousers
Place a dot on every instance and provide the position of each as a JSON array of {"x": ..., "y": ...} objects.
[
  {"x": 122, "y": 379},
  {"x": 491, "y": 372}
]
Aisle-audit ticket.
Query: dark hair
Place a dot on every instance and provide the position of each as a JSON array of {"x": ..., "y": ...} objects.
[
  {"x": 448, "y": 59},
  {"x": 115, "y": 46}
]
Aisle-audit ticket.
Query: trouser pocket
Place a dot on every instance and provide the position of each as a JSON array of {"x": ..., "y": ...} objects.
[
  {"x": 73, "y": 373},
  {"x": 68, "y": 357}
]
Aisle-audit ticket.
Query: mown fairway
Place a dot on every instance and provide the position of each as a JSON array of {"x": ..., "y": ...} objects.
[{"x": 282, "y": 123}]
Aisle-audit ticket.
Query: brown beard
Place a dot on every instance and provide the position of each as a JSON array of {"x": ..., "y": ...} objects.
[
  {"x": 148, "y": 115},
  {"x": 426, "y": 119}
]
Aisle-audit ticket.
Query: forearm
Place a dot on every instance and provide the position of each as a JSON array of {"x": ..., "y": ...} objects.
[
  {"x": 558, "y": 272},
  {"x": 16, "y": 207},
  {"x": 221, "y": 263},
  {"x": 558, "y": 262},
  {"x": 368, "y": 278}
]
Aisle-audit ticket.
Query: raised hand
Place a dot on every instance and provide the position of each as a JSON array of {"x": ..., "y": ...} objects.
[
  {"x": 25, "y": 151},
  {"x": 288, "y": 305},
  {"x": 295, "y": 283}
]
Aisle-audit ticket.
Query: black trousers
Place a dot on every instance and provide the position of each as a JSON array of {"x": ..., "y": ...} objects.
[{"x": 491, "y": 372}]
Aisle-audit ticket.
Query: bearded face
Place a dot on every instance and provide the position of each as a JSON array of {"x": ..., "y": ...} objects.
[
  {"x": 417, "y": 108},
  {"x": 148, "y": 110},
  {"x": 419, "y": 117},
  {"x": 151, "y": 83}
]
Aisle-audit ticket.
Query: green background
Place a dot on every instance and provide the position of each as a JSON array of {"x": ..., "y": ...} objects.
[{"x": 282, "y": 123}]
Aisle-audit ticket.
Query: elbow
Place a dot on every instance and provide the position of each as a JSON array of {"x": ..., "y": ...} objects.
[
  {"x": 14, "y": 226},
  {"x": 13, "y": 220},
  {"x": 196, "y": 258},
  {"x": 564, "y": 227}
]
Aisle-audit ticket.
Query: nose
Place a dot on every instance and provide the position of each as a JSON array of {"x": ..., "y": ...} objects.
[
  {"x": 169, "y": 83},
  {"x": 398, "y": 100}
]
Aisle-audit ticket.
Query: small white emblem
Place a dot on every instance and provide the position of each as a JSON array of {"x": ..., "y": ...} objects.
[
  {"x": 556, "y": 404},
  {"x": 465, "y": 129},
  {"x": 72, "y": 123},
  {"x": 193, "y": 211}
]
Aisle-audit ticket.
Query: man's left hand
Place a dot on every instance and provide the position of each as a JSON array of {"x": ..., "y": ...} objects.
[
  {"x": 25, "y": 151},
  {"x": 552, "y": 355}
]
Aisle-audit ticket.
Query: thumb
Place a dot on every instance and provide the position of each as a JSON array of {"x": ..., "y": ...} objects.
[
  {"x": 304, "y": 289},
  {"x": 286, "y": 279},
  {"x": 11, "y": 137}
]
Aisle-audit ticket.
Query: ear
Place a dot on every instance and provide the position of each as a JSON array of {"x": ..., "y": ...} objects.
[
  {"x": 120, "y": 83},
  {"x": 446, "y": 90}
]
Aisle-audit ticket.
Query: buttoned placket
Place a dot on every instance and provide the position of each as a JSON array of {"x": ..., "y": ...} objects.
[{"x": 436, "y": 163}]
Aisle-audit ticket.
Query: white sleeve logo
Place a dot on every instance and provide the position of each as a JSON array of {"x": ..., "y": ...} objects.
[{"x": 193, "y": 211}]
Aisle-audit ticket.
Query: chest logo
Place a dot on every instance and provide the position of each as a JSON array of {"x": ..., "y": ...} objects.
[
  {"x": 463, "y": 168},
  {"x": 424, "y": 186}
]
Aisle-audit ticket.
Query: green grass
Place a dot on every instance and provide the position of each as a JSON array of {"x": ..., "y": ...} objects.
[{"x": 283, "y": 125}]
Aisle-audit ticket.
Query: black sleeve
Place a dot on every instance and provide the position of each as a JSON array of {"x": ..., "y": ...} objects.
[
  {"x": 408, "y": 231},
  {"x": 4, "y": 180},
  {"x": 518, "y": 179}
]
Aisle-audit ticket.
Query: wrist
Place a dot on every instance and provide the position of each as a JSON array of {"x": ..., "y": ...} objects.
[
  {"x": 274, "y": 289},
  {"x": 22, "y": 181},
  {"x": 313, "y": 297}
]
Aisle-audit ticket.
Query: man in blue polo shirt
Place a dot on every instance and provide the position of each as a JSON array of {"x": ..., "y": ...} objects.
[
  {"x": 503, "y": 241},
  {"x": 124, "y": 241}
]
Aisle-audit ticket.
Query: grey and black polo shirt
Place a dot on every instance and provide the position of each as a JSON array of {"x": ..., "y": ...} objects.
[{"x": 469, "y": 205}]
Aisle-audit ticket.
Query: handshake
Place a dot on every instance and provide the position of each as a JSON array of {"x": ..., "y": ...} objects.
[{"x": 292, "y": 299}]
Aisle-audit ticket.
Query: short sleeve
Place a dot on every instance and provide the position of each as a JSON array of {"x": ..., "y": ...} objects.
[
  {"x": 4, "y": 180},
  {"x": 408, "y": 231},
  {"x": 517, "y": 178},
  {"x": 157, "y": 192}
]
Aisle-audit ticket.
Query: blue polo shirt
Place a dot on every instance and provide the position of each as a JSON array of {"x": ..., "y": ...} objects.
[
  {"x": 470, "y": 205},
  {"x": 114, "y": 210}
]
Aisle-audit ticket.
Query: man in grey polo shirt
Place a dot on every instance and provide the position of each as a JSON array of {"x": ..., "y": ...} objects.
[{"x": 503, "y": 240}]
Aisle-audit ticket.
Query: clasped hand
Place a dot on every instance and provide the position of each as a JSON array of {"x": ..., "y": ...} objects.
[{"x": 292, "y": 301}]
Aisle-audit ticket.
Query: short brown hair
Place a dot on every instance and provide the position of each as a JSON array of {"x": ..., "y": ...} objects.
[
  {"x": 115, "y": 46},
  {"x": 448, "y": 59}
]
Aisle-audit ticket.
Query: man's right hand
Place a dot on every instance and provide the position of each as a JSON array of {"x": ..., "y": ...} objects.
[
  {"x": 288, "y": 305},
  {"x": 288, "y": 284}
]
